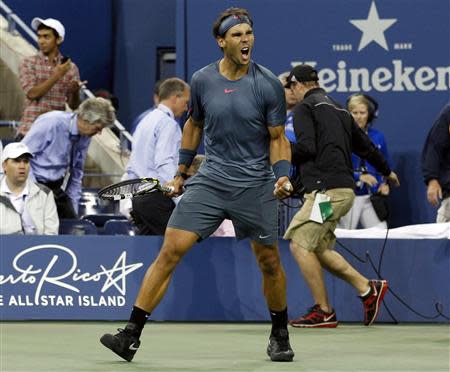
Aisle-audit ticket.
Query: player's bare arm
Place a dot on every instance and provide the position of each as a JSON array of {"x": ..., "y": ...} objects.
[
  {"x": 192, "y": 135},
  {"x": 280, "y": 151}
]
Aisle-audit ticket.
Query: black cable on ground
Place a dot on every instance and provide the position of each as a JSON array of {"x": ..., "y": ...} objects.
[{"x": 438, "y": 305}]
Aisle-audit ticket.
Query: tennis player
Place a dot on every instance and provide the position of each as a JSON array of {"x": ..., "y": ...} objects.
[{"x": 239, "y": 106}]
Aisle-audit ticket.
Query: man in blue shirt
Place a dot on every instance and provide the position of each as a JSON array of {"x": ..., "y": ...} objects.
[
  {"x": 156, "y": 142},
  {"x": 142, "y": 115},
  {"x": 291, "y": 101},
  {"x": 59, "y": 142},
  {"x": 239, "y": 108}
]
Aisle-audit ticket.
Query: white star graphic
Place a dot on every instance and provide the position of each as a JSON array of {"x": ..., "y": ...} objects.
[
  {"x": 121, "y": 269},
  {"x": 373, "y": 28}
]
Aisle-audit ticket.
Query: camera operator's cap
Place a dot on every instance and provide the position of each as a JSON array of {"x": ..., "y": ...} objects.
[
  {"x": 301, "y": 74},
  {"x": 51, "y": 23},
  {"x": 14, "y": 150}
]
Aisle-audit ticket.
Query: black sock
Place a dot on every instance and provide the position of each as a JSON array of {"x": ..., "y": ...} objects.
[
  {"x": 138, "y": 318},
  {"x": 279, "y": 319}
]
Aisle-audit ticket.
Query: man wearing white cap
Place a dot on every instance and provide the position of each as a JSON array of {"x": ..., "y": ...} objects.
[
  {"x": 48, "y": 79},
  {"x": 25, "y": 207}
]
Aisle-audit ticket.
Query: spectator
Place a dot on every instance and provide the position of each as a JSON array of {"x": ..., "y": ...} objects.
[
  {"x": 370, "y": 207},
  {"x": 291, "y": 101},
  {"x": 59, "y": 142},
  {"x": 155, "y": 105},
  {"x": 125, "y": 205},
  {"x": 25, "y": 207},
  {"x": 326, "y": 136},
  {"x": 155, "y": 154},
  {"x": 436, "y": 165},
  {"x": 48, "y": 79}
]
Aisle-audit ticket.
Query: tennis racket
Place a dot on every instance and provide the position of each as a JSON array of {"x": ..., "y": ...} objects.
[{"x": 131, "y": 188}]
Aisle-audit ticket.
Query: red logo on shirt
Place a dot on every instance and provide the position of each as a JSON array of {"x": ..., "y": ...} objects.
[{"x": 229, "y": 90}]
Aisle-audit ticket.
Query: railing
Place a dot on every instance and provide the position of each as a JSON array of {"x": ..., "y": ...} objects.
[
  {"x": 9, "y": 123},
  {"x": 13, "y": 20},
  {"x": 8, "y": 130}
]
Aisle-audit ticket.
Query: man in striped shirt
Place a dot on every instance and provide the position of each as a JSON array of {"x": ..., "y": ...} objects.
[{"x": 48, "y": 79}]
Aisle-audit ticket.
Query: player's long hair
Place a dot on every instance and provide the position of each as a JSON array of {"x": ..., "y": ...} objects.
[{"x": 226, "y": 13}]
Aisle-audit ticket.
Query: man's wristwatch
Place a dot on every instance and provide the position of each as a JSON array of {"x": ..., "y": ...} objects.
[{"x": 182, "y": 175}]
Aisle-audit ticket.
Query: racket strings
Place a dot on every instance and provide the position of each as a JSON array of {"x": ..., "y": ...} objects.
[{"x": 131, "y": 188}]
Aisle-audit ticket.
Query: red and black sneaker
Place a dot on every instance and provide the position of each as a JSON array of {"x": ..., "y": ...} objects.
[
  {"x": 316, "y": 318},
  {"x": 372, "y": 300}
]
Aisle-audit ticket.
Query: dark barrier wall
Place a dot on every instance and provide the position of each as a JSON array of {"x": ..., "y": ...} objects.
[
  {"x": 97, "y": 277},
  {"x": 89, "y": 37},
  {"x": 141, "y": 27},
  {"x": 398, "y": 51}
]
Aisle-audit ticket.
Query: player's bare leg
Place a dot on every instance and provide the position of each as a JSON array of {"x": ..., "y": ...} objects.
[
  {"x": 154, "y": 285},
  {"x": 274, "y": 278},
  {"x": 274, "y": 287},
  {"x": 156, "y": 280}
]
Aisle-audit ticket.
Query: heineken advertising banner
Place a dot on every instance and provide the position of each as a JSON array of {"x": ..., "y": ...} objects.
[
  {"x": 397, "y": 51},
  {"x": 98, "y": 278}
]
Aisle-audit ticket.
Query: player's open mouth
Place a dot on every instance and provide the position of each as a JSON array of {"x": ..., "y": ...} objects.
[{"x": 245, "y": 53}]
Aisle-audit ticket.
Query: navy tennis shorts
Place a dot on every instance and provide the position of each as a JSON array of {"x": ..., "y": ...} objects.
[{"x": 253, "y": 211}]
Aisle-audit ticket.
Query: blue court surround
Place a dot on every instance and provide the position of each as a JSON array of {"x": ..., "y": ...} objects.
[{"x": 97, "y": 278}]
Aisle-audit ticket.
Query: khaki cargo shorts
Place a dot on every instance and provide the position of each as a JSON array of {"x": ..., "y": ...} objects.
[{"x": 313, "y": 236}]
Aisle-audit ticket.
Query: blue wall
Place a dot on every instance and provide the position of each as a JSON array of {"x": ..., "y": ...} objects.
[
  {"x": 288, "y": 32},
  {"x": 89, "y": 34},
  {"x": 141, "y": 27},
  {"x": 98, "y": 277}
]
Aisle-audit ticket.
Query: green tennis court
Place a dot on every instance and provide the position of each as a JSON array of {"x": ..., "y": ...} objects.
[{"x": 74, "y": 346}]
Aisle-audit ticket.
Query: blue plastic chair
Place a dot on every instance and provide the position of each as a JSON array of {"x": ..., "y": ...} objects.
[
  {"x": 100, "y": 219},
  {"x": 118, "y": 227},
  {"x": 76, "y": 227}
]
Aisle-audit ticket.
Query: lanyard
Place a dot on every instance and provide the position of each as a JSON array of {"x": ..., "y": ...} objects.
[{"x": 74, "y": 139}]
